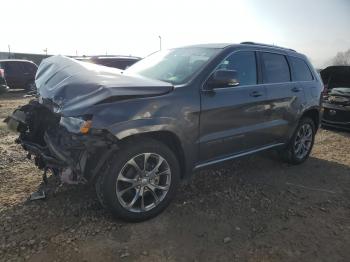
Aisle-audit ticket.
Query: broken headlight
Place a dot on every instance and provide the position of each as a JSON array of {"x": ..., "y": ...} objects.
[{"x": 76, "y": 124}]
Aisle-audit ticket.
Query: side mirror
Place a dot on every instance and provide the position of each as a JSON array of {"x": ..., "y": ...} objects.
[{"x": 223, "y": 78}]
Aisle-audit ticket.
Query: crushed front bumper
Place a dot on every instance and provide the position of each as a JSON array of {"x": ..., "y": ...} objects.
[{"x": 81, "y": 156}]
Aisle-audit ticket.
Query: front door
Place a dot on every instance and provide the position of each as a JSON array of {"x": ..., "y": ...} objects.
[{"x": 233, "y": 119}]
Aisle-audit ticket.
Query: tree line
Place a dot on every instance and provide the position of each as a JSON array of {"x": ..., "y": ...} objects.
[{"x": 341, "y": 58}]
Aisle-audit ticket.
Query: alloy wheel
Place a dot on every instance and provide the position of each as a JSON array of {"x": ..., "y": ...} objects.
[
  {"x": 303, "y": 141},
  {"x": 143, "y": 182}
]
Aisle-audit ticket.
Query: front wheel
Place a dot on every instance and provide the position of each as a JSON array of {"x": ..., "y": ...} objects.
[
  {"x": 141, "y": 180},
  {"x": 300, "y": 146}
]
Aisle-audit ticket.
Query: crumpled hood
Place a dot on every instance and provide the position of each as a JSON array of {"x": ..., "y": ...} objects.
[{"x": 70, "y": 84}]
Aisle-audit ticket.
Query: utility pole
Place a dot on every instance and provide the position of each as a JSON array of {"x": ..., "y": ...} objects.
[
  {"x": 160, "y": 42},
  {"x": 9, "y": 51}
]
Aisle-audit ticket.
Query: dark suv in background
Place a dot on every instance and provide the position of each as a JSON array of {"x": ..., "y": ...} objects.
[
  {"x": 137, "y": 133},
  {"x": 19, "y": 74},
  {"x": 336, "y": 97},
  {"x": 120, "y": 62}
]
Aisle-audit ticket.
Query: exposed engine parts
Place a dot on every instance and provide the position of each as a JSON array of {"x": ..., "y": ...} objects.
[{"x": 46, "y": 142}]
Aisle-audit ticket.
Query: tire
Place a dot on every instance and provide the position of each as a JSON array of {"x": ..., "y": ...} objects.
[
  {"x": 133, "y": 191},
  {"x": 30, "y": 87},
  {"x": 291, "y": 154}
]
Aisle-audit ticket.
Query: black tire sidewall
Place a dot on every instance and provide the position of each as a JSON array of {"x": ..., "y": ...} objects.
[
  {"x": 29, "y": 86},
  {"x": 116, "y": 163}
]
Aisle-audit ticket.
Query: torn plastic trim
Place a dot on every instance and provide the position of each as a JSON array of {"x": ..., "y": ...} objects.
[
  {"x": 42, "y": 152},
  {"x": 54, "y": 156},
  {"x": 58, "y": 153},
  {"x": 84, "y": 154}
]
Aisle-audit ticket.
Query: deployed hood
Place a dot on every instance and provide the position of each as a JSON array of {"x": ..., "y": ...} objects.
[
  {"x": 69, "y": 84},
  {"x": 336, "y": 76}
]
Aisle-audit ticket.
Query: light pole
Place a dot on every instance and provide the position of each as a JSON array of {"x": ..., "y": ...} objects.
[
  {"x": 160, "y": 42},
  {"x": 9, "y": 51}
]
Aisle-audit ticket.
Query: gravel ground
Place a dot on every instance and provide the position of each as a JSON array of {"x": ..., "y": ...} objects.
[{"x": 253, "y": 209}]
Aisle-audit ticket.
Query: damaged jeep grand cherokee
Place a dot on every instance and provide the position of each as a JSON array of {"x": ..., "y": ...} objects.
[{"x": 135, "y": 134}]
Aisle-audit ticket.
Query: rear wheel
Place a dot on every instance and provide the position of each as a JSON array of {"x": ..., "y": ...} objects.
[
  {"x": 300, "y": 146},
  {"x": 30, "y": 86},
  {"x": 141, "y": 180}
]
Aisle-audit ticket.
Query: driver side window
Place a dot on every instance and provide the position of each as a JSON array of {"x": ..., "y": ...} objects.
[{"x": 244, "y": 63}]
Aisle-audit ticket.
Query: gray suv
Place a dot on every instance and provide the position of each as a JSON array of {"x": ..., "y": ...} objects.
[{"x": 135, "y": 134}]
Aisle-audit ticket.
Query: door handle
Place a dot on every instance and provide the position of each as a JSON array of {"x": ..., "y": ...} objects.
[
  {"x": 255, "y": 94},
  {"x": 296, "y": 89}
]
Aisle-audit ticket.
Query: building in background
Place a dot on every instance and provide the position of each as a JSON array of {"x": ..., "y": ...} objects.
[{"x": 36, "y": 58}]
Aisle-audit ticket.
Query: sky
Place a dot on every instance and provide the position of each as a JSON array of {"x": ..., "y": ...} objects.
[{"x": 317, "y": 28}]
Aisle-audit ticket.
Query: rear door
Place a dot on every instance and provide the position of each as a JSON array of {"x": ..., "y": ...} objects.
[
  {"x": 286, "y": 97},
  {"x": 232, "y": 119}
]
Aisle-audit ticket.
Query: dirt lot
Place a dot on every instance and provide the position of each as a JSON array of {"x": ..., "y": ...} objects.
[{"x": 253, "y": 209}]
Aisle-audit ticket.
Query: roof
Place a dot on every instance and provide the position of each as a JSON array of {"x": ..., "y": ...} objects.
[
  {"x": 225, "y": 45},
  {"x": 16, "y": 60},
  {"x": 267, "y": 45}
]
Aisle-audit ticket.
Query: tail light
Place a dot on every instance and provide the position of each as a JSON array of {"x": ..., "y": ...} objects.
[{"x": 2, "y": 73}]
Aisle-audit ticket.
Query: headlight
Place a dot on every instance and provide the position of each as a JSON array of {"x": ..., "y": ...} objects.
[{"x": 76, "y": 124}]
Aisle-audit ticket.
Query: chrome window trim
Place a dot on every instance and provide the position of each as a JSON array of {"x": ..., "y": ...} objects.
[{"x": 284, "y": 53}]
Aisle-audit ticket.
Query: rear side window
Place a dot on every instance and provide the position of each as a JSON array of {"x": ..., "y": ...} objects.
[
  {"x": 300, "y": 70},
  {"x": 275, "y": 68},
  {"x": 245, "y": 64},
  {"x": 13, "y": 68}
]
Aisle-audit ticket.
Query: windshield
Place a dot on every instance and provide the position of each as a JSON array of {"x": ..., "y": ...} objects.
[{"x": 175, "y": 66}]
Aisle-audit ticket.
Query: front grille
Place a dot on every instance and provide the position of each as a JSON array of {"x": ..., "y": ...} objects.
[{"x": 336, "y": 115}]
